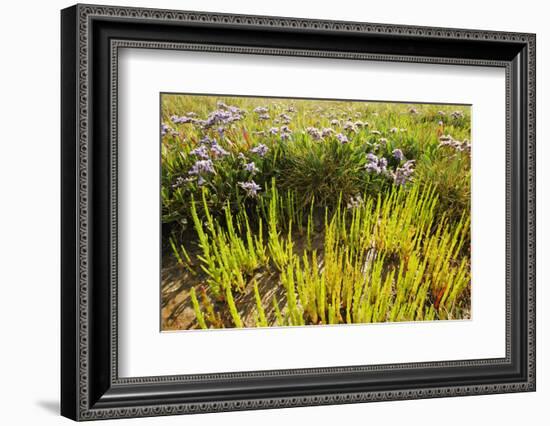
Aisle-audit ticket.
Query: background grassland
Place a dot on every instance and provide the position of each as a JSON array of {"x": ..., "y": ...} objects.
[{"x": 323, "y": 239}]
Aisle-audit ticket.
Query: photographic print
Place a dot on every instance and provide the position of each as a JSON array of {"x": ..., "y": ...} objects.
[{"x": 305, "y": 212}]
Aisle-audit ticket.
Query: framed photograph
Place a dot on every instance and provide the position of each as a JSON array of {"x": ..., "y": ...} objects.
[{"x": 263, "y": 212}]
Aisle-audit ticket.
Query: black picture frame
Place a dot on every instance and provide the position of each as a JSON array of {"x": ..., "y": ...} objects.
[{"x": 90, "y": 386}]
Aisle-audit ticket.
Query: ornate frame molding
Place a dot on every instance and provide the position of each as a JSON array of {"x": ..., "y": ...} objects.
[{"x": 82, "y": 16}]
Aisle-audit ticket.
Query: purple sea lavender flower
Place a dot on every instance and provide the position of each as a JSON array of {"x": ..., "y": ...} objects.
[
  {"x": 251, "y": 167},
  {"x": 373, "y": 168},
  {"x": 261, "y": 150},
  {"x": 201, "y": 152},
  {"x": 263, "y": 117},
  {"x": 448, "y": 140},
  {"x": 181, "y": 120},
  {"x": 206, "y": 141},
  {"x": 343, "y": 139},
  {"x": 217, "y": 150},
  {"x": 164, "y": 129},
  {"x": 274, "y": 130},
  {"x": 457, "y": 114},
  {"x": 372, "y": 158},
  {"x": 404, "y": 174},
  {"x": 409, "y": 164},
  {"x": 375, "y": 164},
  {"x": 398, "y": 154},
  {"x": 285, "y": 133},
  {"x": 327, "y": 131},
  {"x": 285, "y": 118},
  {"x": 349, "y": 126},
  {"x": 261, "y": 110},
  {"x": 382, "y": 163},
  {"x": 237, "y": 111},
  {"x": 334, "y": 122},
  {"x": 251, "y": 188},
  {"x": 201, "y": 181},
  {"x": 202, "y": 166},
  {"x": 216, "y": 117},
  {"x": 314, "y": 132}
]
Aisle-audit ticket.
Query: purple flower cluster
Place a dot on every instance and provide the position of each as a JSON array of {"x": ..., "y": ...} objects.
[
  {"x": 343, "y": 139},
  {"x": 261, "y": 110},
  {"x": 448, "y": 140},
  {"x": 327, "y": 131},
  {"x": 221, "y": 117},
  {"x": 201, "y": 151},
  {"x": 202, "y": 166},
  {"x": 349, "y": 126},
  {"x": 398, "y": 154},
  {"x": 375, "y": 164},
  {"x": 404, "y": 174},
  {"x": 251, "y": 188},
  {"x": 183, "y": 119},
  {"x": 285, "y": 118},
  {"x": 217, "y": 150},
  {"x": 457, "y": 114},
  {"x": 285, "y": 132},
  {"x": 165, "y": 129},
  {"x": 261, "y": 150},
  {"x": 314, "y": 132},
  {"x": 251, "y": 167}
]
